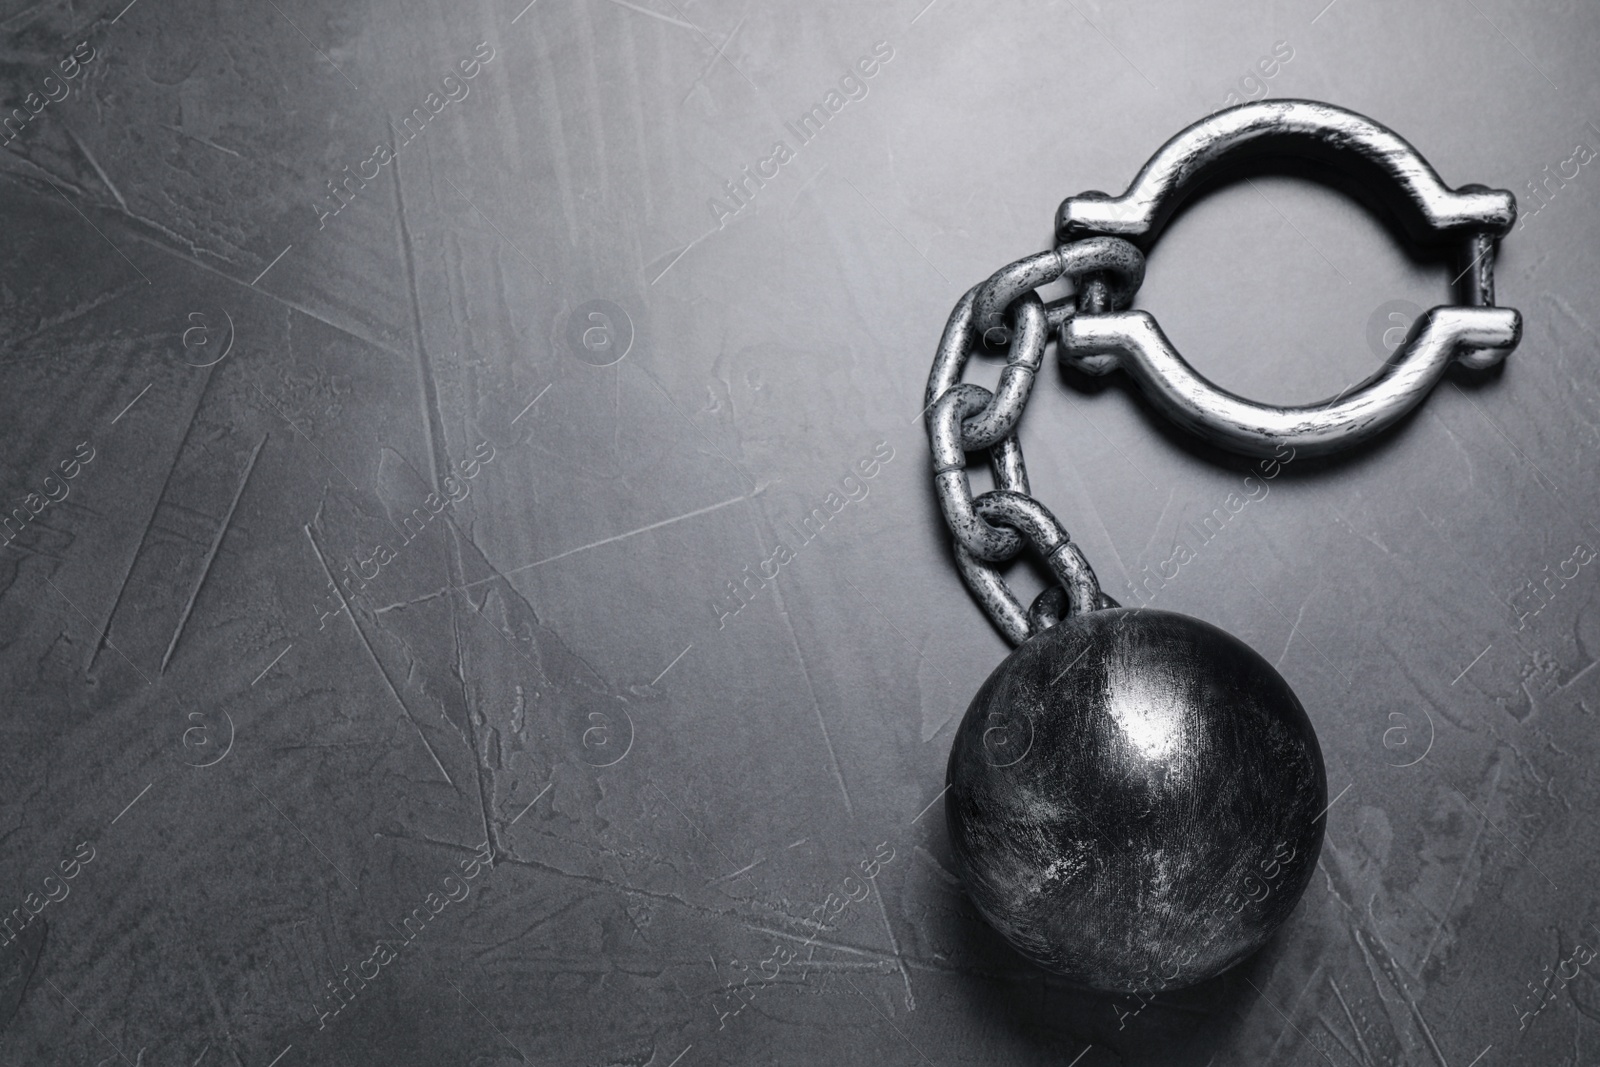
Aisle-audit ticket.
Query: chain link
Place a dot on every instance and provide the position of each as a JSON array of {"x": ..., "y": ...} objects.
[
  {"x": 986, "y": 542},
  {"x": 1113, "y": 268},
  {"x": 963, "y": 418}
]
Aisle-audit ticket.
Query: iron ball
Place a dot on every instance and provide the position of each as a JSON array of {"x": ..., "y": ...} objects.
[{"x": 1135, "y": 800}]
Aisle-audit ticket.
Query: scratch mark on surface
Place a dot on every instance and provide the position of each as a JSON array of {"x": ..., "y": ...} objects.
[
  {"x": 269, "y": 266},
  {"x": 673, "y": 404},
  {"x": 484, "y": 774},
  {"x": 35, "y": 552},
  {"x": 1366, "y": 1053},
  {"x": 898, "y": 631},
  {"x": 452, "y": 846},
  {"x": 683, "y": 253},
  {"x": 1390, "y": 970},
  {"x": 662, "y": 793},
  {"x": 1544, "y": 481},
  {"x": 807, "y": 935},
  {"x": 1094, "y": 513},
  {"x": 532, "y": 402},
  {"x": 1501, "y": 832},
  {"x": 1294, "y": 1006},
  {"x": 181, "y": 132},
  {"x": 1449, "y": 903},
  {"x": 742, "y": 870},
  {"x": 894, "y": 946},
  {"x": 374, "y": 657},
  {"x": 496, "y": 229},
  {"x": 1427, "y": 1032},
  {"x": 106, "y": 637},
  {"x": 1080, "y": 410},
  {"x": 131, "y": 803},
  {"x": 44, "y": 172},
  {"x": 531, "y": 927},
  {"x": 211, "y": 555},
  {"x": 1332, "y": 802},
  {"x": 671, "y": 665},
  {"x": 1348, "y": 1051},
  {"x": 625, "y": 889},
  {"x": 531, "y": 803},
  {"x": 274, "y": 663},
  {"x": 304, "y": 437},
  {"x": 102, "y": 234},
  {"x": 610, "y": 540},
  {"x": 98, "y": 169},
  {"x": 1473, "y": 664},
  {"x": 149, "y": 519},
  {"x": 193, "y": 260},
  {"x": 1299, "y": 615},
  {"x": 86, "y": 1019},
  {"x": 412, "y": 603},
  {"x": 141, "y": 222},
  {"x": 22, "y": 16},
  {"x": 132, "y": 402},
  {"x": 303, "y": 834},
  {"x": 811, "y": 692},
  {"x": 439, "y": 460},
  {"x": 886, "y": 1019},
  {"x": 518, "y": 649},
  {"x": 1472, "y": 469},
  {"x": 1160, "y": 523},
  {"x": 700, "y": 79},
  {"x": 1285, "y": 618},
  {"x": 1286, "y": 1019},
  {"x": 800, "y": 191},
  {"x": 927, "y": 857},
  {"x": 654, "y": 14},
  {"x": 15, "y": 342},
  {"x": 931, "y": 803}
]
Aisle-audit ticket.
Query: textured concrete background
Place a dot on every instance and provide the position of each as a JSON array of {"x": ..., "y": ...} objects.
[{"x": 256, "y": 778}]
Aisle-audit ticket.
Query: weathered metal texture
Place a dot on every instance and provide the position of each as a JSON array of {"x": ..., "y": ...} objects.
[
  {"x": 1291, "y": 126},
  {"x": 1131, "y": 340},
  {"x": 964, "y": 418},
  {"x": 1101, "y": 257},
  {"x": 1135, "y": 800},
  {"x": 1477, "y": 336}
]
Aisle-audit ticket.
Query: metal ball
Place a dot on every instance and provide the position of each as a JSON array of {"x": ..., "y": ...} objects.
[{"x": 1135, "y": 800}]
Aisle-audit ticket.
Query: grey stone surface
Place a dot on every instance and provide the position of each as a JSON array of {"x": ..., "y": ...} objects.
[{"x": 276, "y": 779}]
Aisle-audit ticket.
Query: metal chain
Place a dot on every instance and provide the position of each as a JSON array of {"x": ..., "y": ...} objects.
[{"x": 963, "y": 418}]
